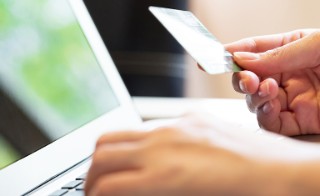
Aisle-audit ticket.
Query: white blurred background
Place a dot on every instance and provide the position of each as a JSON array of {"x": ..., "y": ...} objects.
[{"x": 230, "y": 20}]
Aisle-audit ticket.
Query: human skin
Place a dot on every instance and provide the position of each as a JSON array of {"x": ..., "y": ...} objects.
[
  {"x": 281, "y": 80},
  {"x": 173, "y": 161}
]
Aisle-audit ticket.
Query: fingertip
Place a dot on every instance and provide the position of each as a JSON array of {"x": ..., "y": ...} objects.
[
  {"x": 268, "y": 116},
  {"x": 274, "y": 107},
  {"x": 243, "y": 86},
  {"x": 230, "y": 47},
  {"x": 245, "y": 45},
  {"x": 268, "y": 88},
  {"x": 246, "y": 82},
  {"x": 256, "y": 63},
  {"x": 236, "y": 78},
  {"x": 267, "y": 107}
]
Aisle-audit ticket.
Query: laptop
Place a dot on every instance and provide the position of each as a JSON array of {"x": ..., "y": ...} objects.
[{"x": 60, "y": 91}]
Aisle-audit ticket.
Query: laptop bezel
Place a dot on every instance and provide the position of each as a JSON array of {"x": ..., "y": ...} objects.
[{"x": 30, "y": 172}]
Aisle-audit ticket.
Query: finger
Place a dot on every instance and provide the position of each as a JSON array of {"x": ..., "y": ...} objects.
[
  {"x": 268, "y": 116},
  {"x": 124, "y": 136},
  {"x": 122, "y": 183},
  {"x": 113, "y": 158},
  {"x": 267, "y": 42},
  {"x": 245, "y": 82},
  {"x": 255, "y": 44},
  {"x": 290, "y": 126},
  {"x": 268, "y": 90},
  {"x": 291, "y": 57},
  {"x": 271, "y": 118}
]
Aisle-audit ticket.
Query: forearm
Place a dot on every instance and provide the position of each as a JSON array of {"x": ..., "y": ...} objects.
[
  {"x": 286, "y": 179},
  {"x": 305, "y": 179}
]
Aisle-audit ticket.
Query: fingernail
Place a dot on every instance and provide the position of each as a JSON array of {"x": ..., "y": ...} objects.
[
  {"x": 243, "y": 86},
  {"x": 267, "y": 107},
  {"x": 264, "y": 90},
  {"x": 246, "y": 56}
]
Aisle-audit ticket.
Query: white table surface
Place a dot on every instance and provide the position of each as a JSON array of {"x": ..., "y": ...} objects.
[
  {"x": 233, "y": 113},
  {"x": 153, "y": 107}
]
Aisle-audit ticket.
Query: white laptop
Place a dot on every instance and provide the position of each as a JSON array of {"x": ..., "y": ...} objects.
[{"x": 61, "y": 91}]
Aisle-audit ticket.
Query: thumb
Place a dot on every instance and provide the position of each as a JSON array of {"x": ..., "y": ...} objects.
[{"x": 301, "y": 54}]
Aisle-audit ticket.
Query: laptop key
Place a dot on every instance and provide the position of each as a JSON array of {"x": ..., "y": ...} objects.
[
  {"x": 59, "y": 192},
  {"x": 82, "y": 177},
  {"x": 80, "y": 187},
  {"x": 72, "y": 184},
  {"x": 75, "y": 193}
]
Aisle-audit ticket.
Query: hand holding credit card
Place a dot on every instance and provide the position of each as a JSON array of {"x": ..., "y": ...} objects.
[{"x": 196, "y": 40}]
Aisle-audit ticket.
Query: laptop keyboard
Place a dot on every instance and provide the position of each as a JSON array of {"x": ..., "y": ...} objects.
[{"x": 73, "y": 188}]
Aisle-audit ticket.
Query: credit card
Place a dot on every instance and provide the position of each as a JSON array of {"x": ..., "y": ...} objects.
[{"x": 195, "y": 38}]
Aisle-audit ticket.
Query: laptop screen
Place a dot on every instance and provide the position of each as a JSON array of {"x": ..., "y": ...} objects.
[{"x": 50, "y": 80}]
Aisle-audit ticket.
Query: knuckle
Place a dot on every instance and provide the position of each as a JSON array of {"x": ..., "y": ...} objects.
[
  {"x": 274, "y": 53},
  {"x": 249, "y": 44}
]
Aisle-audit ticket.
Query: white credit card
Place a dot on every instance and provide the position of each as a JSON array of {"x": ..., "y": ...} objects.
[{"x": 196, "y": 40}]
